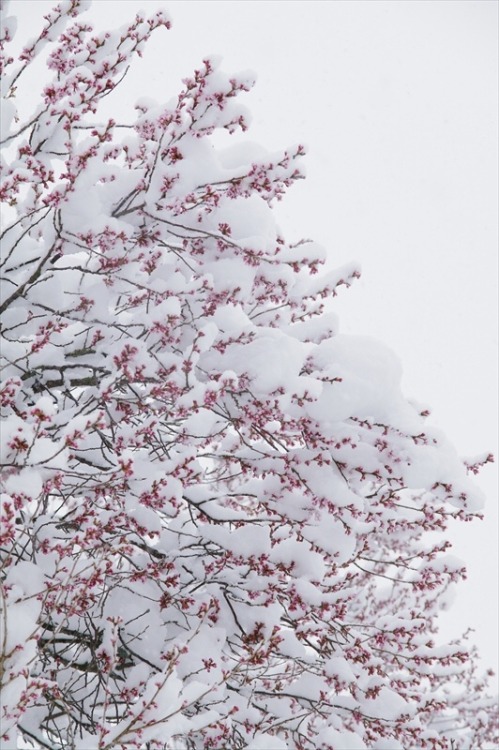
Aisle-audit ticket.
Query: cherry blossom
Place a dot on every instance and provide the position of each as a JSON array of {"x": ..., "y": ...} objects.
[{"x": 223, "y": 523}]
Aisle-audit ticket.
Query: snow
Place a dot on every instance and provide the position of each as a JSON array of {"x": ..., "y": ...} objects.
[
  {"x": 28, "y": 482},
  {"x": 387, "y": 705},
  {"x": 338, "y": 667},
  {"x": 346, "y": 740},
  {"x": 330, "y": 535},
  {"x": 8, "y": 112},
  {"x": 307, "y": 564},
  {"x": 272, "y": 360},
  {"x": 264, "y": 741},
  {"x": 368, "y": 376},
  {"x": 239, "y": 541}
]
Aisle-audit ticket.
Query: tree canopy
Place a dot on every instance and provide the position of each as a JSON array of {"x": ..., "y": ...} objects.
[{"x": 223, "y": 524}]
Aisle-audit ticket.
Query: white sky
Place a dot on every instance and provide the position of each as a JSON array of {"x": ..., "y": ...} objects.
[{"x": 397, "y": 102}]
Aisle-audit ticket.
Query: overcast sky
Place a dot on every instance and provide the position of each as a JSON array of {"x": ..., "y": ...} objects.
[{"x": 397, "y": 103}]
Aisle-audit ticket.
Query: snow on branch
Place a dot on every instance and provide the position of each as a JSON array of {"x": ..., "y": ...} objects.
[{"x": 223, "y": 524}]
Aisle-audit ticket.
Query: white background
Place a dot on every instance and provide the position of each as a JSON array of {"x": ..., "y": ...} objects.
[{"x": 397, "y": 103}]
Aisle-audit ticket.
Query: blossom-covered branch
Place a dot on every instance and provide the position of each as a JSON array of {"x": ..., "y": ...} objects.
[{"x": 223, "y": 524}]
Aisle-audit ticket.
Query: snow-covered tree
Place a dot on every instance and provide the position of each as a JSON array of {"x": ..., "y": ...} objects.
[{"x": 223, "y": 524}]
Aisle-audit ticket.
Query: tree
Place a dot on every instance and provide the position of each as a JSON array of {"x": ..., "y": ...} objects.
[{"x": 223, "y": 525}]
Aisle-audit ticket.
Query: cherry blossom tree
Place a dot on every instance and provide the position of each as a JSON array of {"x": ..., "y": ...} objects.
[{"x": 223, "y": 524}]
